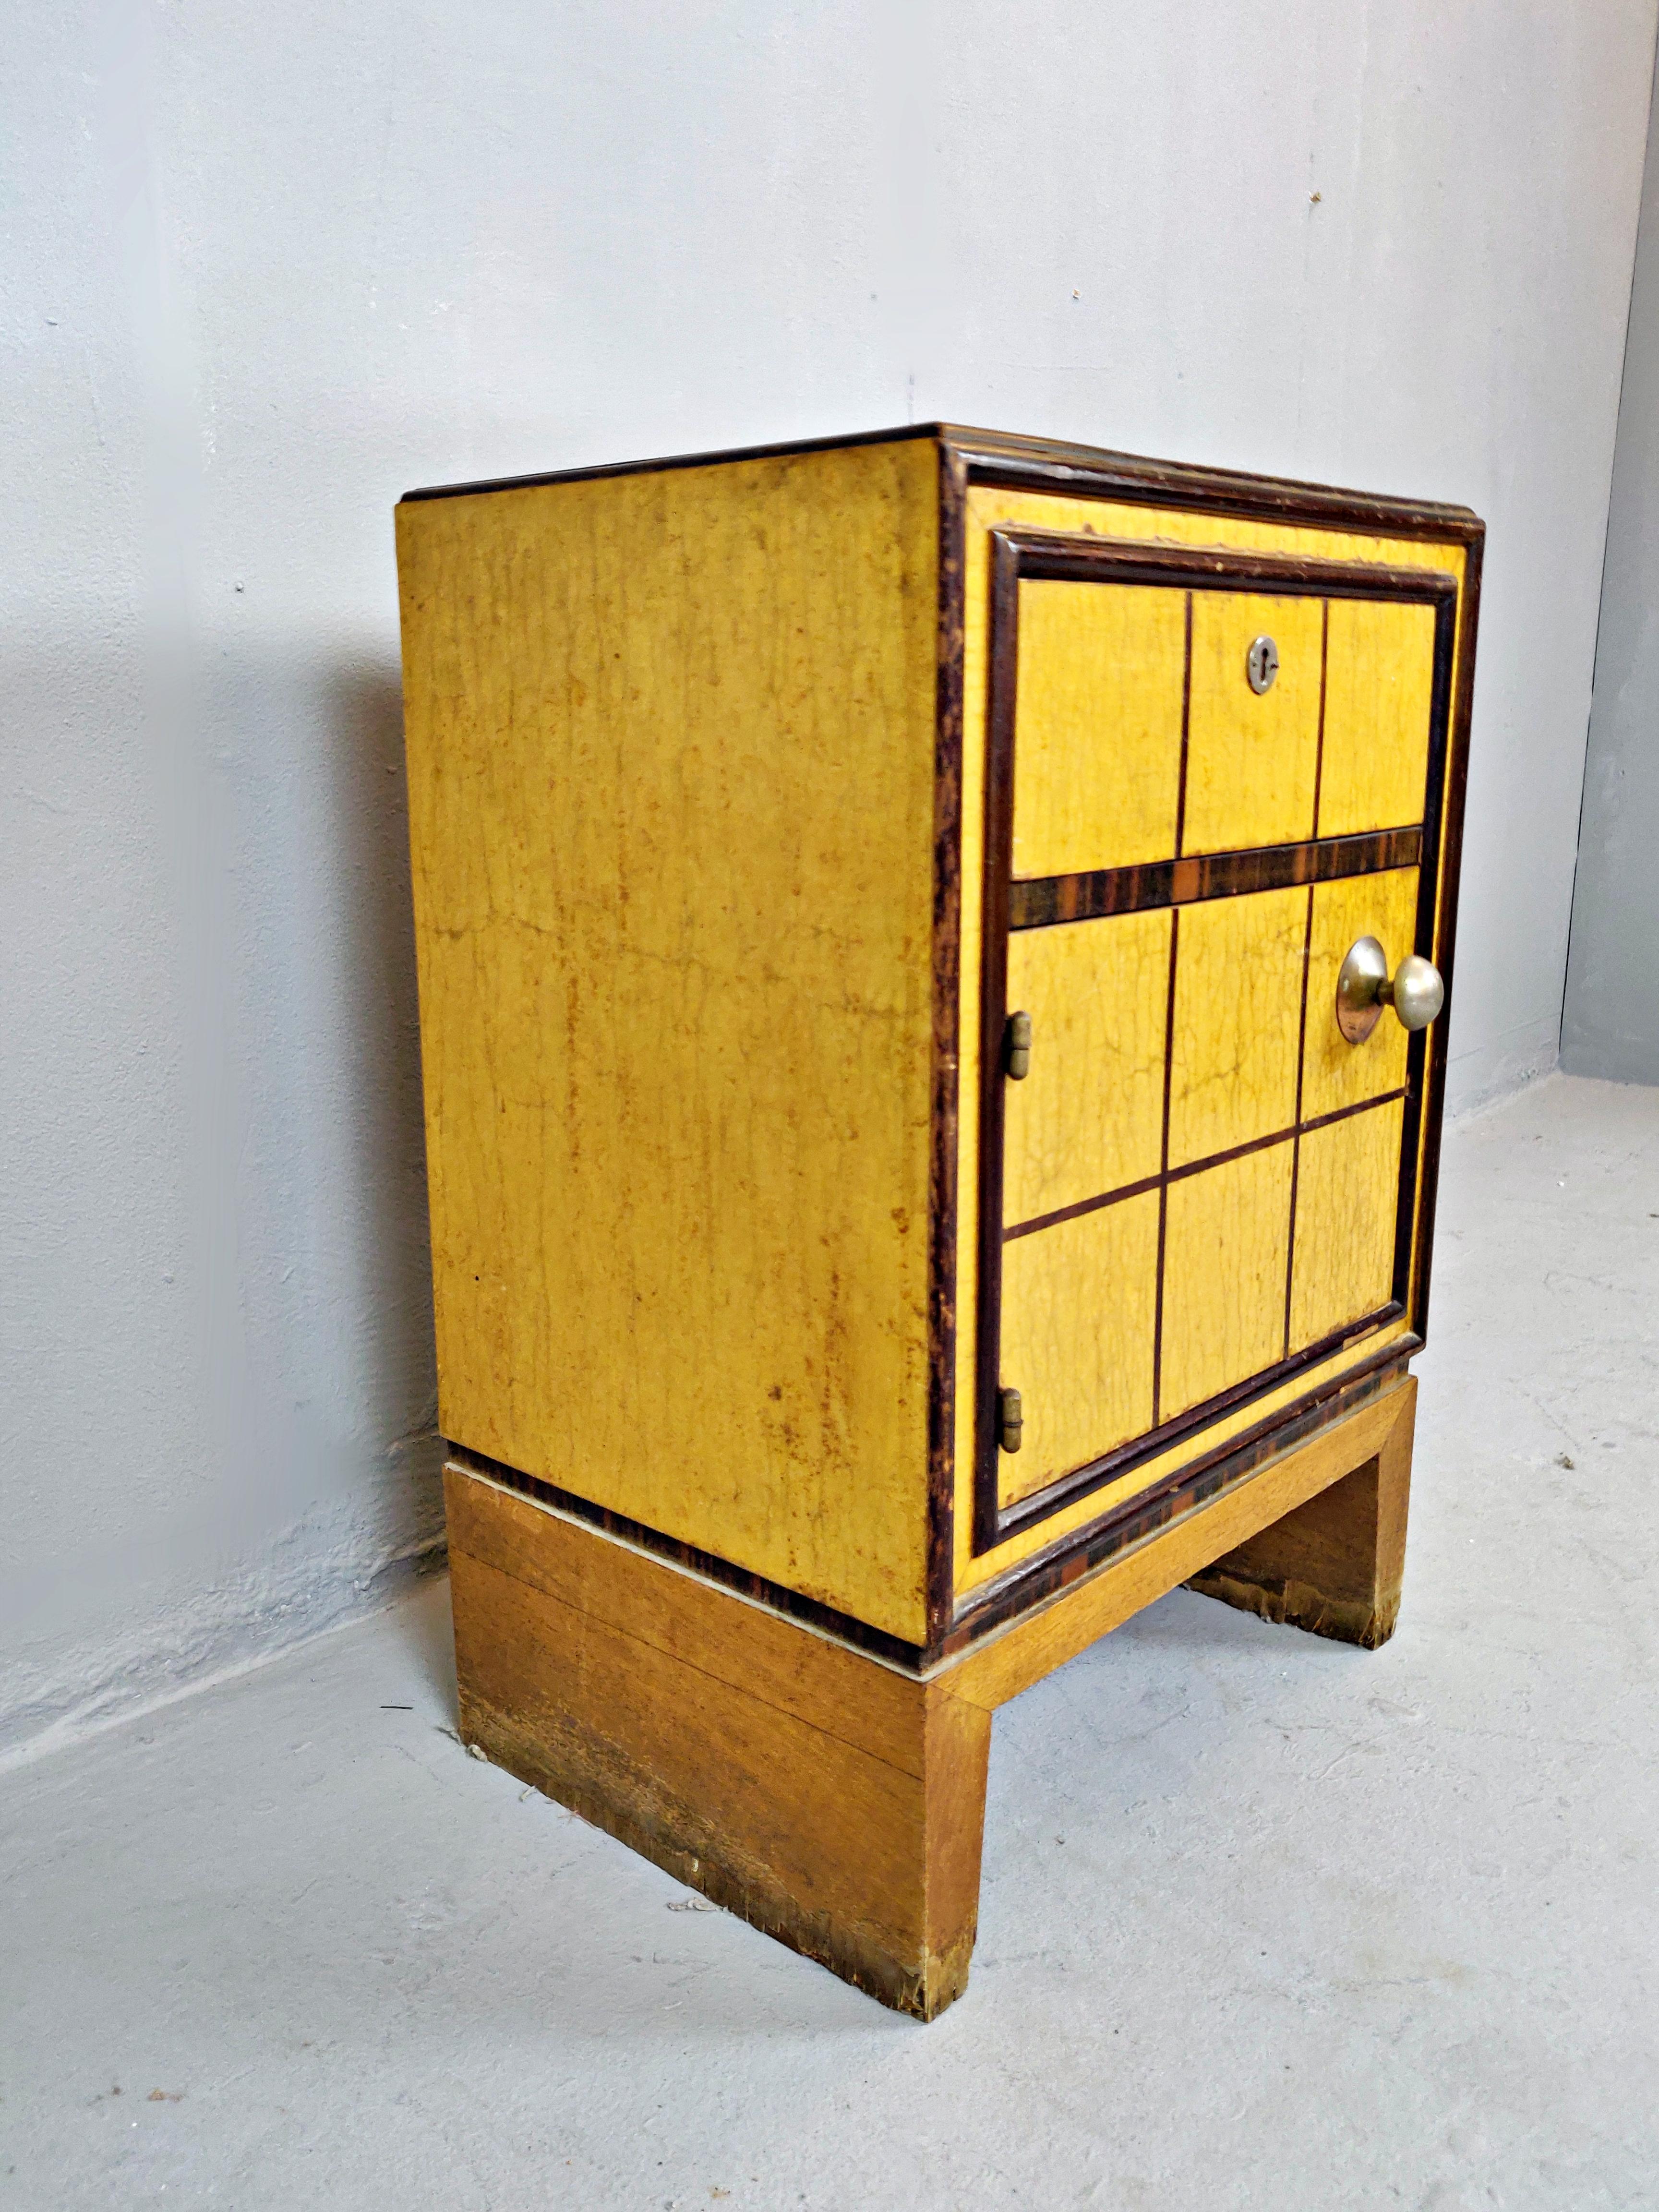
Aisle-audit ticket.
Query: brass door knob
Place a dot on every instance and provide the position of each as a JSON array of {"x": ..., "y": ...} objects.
[{"x": 1363, "y": 988}]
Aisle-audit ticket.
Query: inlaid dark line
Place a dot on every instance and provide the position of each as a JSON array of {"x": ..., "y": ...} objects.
[
  {"x": 1361, "y": 1106},
  {"x": 1301, "y": 1060},
  {"x": 1163, "y": 1166},
  {"x": 1186, "y": 726},
  {"x": 1112, "y": 1464},
  {"x": 1083, "y": 1206},
  {"x": 1324, "y": 672},
  {"x": 1038, "y": 901},
  {"x": 1190, "y": 1168}
]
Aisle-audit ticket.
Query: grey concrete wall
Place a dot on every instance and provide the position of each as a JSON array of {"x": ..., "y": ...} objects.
[
  {"x": 1610, "y": 1022},
  {"x": 269, "y": 266}
]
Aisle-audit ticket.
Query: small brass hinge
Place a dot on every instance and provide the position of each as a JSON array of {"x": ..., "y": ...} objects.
[
  {"x": 1016, "y": 1047},
  {"x": 1010, "y": 1419}
]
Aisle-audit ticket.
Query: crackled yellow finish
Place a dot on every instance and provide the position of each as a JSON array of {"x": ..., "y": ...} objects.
[
  {"x": 1251, "y": 758},
  {"x": 1347, "y": 1188},
  {"x": 1097, "y": 725},
  {"x": 1335, "y": 1072},
  {"x": 1089, "y": 1117},
  {"x": 1226, "y": 1251},
  {"x": 1378, "y": 689},
  {"x": 1078, "y": 1314},
  {"x": 1239, "y": 997},
  {"x": 671, "y": 743},
  {"x": 993, "y": 507}
]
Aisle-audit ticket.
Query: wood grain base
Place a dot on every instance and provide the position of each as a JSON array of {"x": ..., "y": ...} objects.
[
  {"x": 825, "y": 1798},
  {"x": 1333, "y": 1566},
  {"x": 831, "y": 1800}
]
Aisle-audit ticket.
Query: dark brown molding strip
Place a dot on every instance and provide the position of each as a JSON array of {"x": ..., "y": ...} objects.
[
  {"x": 709, "y": 1565},
  {"x": 1188, "y": 1168},
  {"x": 1112, "y": 1466},
  {"x": 1072, "y": 471},
  {"x": 946, "y": 1070},
  {"x": 1025, "y": 464},
  {"x": 1040, "y": 902},
  {"x": 1073, "y": 557},
  {"x": 1195, "y": 1484}
]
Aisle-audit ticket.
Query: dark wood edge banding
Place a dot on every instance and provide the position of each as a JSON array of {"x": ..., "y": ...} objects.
[
  {"x": 1074, "y": 472},
  {"x": 1193, "y": 1484},
  {"x": 1034, "y": 1579},
  {"x": 1454, "y": 785},
  {"x": 1040, "y": 902},
  {"x": 1189, "y": 1168},
  {"x": 993, "y": 1014},
  {"x": 1021, "y": 463},
  {"x": 709, "y": 1565},
  {"x": 947, "y": 1003},
  {"x": 1111, "y": 1466},
  {"x": 1069, "y": 556}
]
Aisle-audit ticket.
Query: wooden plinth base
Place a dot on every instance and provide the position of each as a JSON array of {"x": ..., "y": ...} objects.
[
  {"x": 1334, "y": 1565},
  {"x": 829, "y": 1799}
]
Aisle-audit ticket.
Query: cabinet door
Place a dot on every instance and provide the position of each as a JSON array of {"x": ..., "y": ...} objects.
[{"x": 1193, "y": 1187}]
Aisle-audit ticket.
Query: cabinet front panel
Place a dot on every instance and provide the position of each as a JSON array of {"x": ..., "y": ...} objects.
[
  {"x": 1252, "y": 757},
  {"x": 1336, "y": 1073},
  {"x": 1079, "y": 1323},
  {"x": 1379, "y": 689},
  {"x": 1193, "y": 1187},
  {"x": 1099, "y": 689},
  {"x": 1227, "y": 1246},
  {"x": 1347, "y": 1193},
  {"x": 1237, "y": 1022},
  {"x": 1089, "y": 1117}
]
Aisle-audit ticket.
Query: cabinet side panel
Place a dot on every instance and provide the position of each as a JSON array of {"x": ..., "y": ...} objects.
[{"x": 670, "y": 745}]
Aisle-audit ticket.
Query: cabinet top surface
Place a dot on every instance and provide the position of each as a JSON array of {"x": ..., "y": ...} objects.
[{"x": 1037, "y": 463}]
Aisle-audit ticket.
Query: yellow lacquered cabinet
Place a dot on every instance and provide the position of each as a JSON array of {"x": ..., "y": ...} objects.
[{"x": 879, "y": 909}]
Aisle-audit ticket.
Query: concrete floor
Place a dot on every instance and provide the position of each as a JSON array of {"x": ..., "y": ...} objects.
[{"x": 1266, "y": 1921}]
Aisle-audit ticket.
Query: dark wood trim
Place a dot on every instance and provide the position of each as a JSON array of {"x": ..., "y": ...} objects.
[
  {"x": 1065, "y": 557},
  {"x": 1019, "y": 553},
  {"x": 980, "y": 456},
  {"x": 1162, "y": 1170},
  {"x": 1300, "y": 1065},
  {"x": 942, "y": 1266},
  {"x": 1083, "y": 1206},
  {"x": 1413, "y": 1223},
  {"x": 1189, "y": 1168},
  {"x": 1185, "y": 729},
  {"x": 1195, "y": 1483},
  {"x": 994, "y": 1015},
  {"x": 1319, "y": 741},
  {"x": 1040, "y": 902},
  {"x": 1067, "y": 1489},
  {"x": 1072, "y": 471},
  {"x": 1453, "y": 789},
  {"x": 709, "y": 1565},
  {"x": 661, "y": 465}
]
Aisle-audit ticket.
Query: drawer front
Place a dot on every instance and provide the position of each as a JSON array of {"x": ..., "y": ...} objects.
[{"x": 1193, "y": 1186}]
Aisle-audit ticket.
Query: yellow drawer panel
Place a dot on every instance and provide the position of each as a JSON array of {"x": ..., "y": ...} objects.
[
  {"x": 1251, "y": 759},
  {"x": 1379, "y": 684},
  {"x": 1078, "y": 1319},
  {"x": 1226, "y": 1256},
  {"x": 1097, "y": 725},
  {"x": 1335, "y": 1072},
  {"x": 1238, "y": 1008},
  {"x": 1347, "y": 1193},
  {"x": 1089, "y": 1117}
]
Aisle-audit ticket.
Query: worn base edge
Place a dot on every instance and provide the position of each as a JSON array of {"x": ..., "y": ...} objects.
[
  {"x": 1296, "y": 1605},
  {"x": 610, "y": 1791}
]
